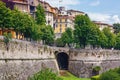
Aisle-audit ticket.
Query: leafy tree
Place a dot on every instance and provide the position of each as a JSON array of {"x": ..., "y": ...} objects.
[
  {"x": 47, "y": 34},
  {"x": 94, "y": 36},
  {"x": 116, "y": 27},
  {"x": 117, "y": 46},
  {"x": 45, "y": 74},
  {"x": 5, "y": 16},
  {"x": 30, "y": 24},
  {"x": 110, "y": 38},
  {"x": 23, "y": 23},
  {"x": 36, "y": 33},
  {"x": 40, "y": 15},
  {"x": 67, "y": 37},
  {"x": 85, "y": 33},
  {"x": 103, "y": 40},
  {"x": 59, "y": 42}
]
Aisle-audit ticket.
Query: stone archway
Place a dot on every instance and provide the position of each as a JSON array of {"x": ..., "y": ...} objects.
[{"x": 62, "y": 59}]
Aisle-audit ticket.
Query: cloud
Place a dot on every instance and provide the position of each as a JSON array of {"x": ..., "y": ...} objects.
[
  {"x": 107, "y": 18},
  {"x": 95, "y": 3},
  {"x": 116, "y": 19},
  {"x": 99, "y": 17},
  {"x": 66, "y": 3}
]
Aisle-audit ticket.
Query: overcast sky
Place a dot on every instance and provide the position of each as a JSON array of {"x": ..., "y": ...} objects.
[{"x": 107, "y": 11}]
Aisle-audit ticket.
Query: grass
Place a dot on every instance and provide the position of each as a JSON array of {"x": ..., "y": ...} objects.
[{"x": 69, "y": 76}]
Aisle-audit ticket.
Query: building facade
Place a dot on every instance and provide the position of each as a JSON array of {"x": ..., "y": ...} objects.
[
  {"x": 102, "y": 25},
  {"x": 21, "y": 5},
  {"x": 74, "y": 13},
  {"x": 59, "y": 19}
]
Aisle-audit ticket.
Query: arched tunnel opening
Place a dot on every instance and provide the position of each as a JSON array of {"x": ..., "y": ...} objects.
[{"x": 62, "y": 59}]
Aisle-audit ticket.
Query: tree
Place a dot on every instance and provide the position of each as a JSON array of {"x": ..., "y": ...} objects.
[
  {"x": 116, "y": 27},
  {"x": 117, "y": 46},
  {"x": 103, "y": 40},
  {"x": 29, "y": 25},
  {"x": 59, "y": 42},
  {"x": 67, "y": 37},
  {"x": 23, "y": 23},
  {"x": 47, "y": 34},
  {"x": 40, "y": 15},
  {"x": 110, "y": 38},
  {"x": 5, "y": 16},
  {"x": 82, "y": 32},
  {"x": 36, "y": 33},
  {"x": 94, "y": 36}
]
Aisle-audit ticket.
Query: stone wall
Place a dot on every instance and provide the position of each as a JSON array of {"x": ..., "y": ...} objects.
[
  {"x": 82, "y": 62},
  {"x": 22, "y": 59}
]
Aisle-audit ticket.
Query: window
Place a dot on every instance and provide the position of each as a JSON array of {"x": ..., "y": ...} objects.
[
  {"x": 60, "y": 30},
  {"x": 65, "y": 20},
  {"x": 66, "y": 25},
  {"x": 60, "y": 20},
  {"x": 56, "y": 25},
  {"x": 60, "y": 25}
]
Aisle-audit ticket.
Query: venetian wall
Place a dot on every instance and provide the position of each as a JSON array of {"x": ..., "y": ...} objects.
[
  {"x": 24, "y": 59},
  {"x": 82, "y": 62}
]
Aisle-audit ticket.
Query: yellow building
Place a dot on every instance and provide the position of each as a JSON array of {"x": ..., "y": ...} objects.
[
  {"x": 63, "y": 22},
  {"x": 8, "y": 31}
]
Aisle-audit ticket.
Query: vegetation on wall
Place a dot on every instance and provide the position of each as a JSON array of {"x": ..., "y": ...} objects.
[
  {"x": 7, "y": 39},
  {"x": 113, "y": 74}
]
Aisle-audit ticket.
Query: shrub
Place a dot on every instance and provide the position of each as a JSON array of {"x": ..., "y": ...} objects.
[
  {"x": 97, "y": 68},
  {"x": 95, "y": 77},
  {"x": 59, "y": 43},
  {"x": 45, "y": 74},
  {"x": 7, "y": 39},
  {"x": 109, "y": 75}
]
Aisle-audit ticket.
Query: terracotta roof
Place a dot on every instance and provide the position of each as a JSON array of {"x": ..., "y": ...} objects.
[
  {"x": 101, "y": 23},
  {"x": 75, "y": 11},
  {"x": 20, "y": 2}
]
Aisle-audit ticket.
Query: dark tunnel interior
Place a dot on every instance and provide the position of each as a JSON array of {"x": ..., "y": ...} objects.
[{"x": 62, "y": 59}]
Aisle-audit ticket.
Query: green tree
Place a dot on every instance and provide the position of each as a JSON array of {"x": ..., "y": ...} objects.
[
  {"x": 36, "y": 33},
  {"x": 84, "y": 31},
  {"x": 103, "y": 40},
  {"x": 116, "y": 27},
  {"x": 94, "y": 36},
  {"x": 23, "y": 23},
  {"x": 47, "y": 34},
  {"x": 110, "y": 38},
  {"x": 45, "y": 74},
  {"x": 40, "y": 15},
  {"x": 67, "y": 37},
  {"x": 29, "y": 25},
  {"x": 117, "y": 46},
  {"x": 59, "y": 42},
  {"x": 5, "y": 16}
]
